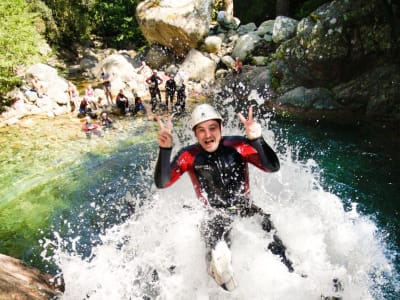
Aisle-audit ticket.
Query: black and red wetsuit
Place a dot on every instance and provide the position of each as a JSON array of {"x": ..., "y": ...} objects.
[{"x": 220, "y": 178}]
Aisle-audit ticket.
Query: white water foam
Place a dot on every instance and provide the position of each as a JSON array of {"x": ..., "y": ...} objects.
[{"x": 158, "y": 253}]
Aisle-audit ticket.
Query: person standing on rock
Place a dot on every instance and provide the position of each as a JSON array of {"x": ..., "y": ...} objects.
[
  {"x": 106, "y": 81},
  {"x": 170, "y": 88},
  {"x": 154, "y": 81}
]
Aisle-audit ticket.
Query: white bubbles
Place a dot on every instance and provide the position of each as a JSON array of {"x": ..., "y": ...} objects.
[{"x": 158, "y": 252}]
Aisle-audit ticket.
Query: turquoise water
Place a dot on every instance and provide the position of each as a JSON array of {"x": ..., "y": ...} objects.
[
  {"x": 71, "y": 189},
  {"x": 52, "y": 171},
  {"x": 361, "y": 165}
]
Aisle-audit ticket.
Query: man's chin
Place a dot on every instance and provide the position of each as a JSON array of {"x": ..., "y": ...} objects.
[{"x": 210, "y": 147}]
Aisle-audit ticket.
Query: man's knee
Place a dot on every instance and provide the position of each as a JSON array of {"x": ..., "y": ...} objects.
[
  {"x": 217, "y": 229},
  {"x": 267, "y": 223}
]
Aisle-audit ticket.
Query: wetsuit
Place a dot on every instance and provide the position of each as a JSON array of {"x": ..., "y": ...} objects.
[
  {"x": 222, "y": 175},
  {"x": 170, "y": 88},
  {"x": 221, "y": 180},
  {"x": 154, "y": 81}
]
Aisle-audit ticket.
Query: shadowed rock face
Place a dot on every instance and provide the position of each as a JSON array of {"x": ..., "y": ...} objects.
[
  {"x": 178, "y": 25},
  {"x": 18, "y": 281}
]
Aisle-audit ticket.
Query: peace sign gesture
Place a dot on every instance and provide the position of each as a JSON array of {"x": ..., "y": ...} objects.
[
  {"x": 253, "y": 129},
  {"x": 164, "y": 136}
]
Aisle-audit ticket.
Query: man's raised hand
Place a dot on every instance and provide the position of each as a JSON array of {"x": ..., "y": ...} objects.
[
  {"x": 164, "y": 136},
  {"x": 253, "y": 129}
]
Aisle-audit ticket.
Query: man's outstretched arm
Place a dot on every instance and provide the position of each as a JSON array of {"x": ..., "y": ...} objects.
[{"x": 162, "y": 172}]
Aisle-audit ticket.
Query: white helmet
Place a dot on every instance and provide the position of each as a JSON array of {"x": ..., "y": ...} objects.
[{"x": 204, "y": 112}]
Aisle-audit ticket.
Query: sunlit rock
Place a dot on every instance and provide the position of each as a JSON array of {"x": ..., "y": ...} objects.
[
  {"x": 198, "y": 67},
  {"x": 19, "y": 281},
  {"x": 178, "y": 25},
  {"x": 284, "y": 29}
]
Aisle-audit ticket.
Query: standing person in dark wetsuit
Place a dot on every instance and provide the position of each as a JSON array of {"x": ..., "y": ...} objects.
[
  {"x": 154, "y": 81},
  {"x": 218, "y": 168},
  {"x": 170, "y": 88},
  {"x": 180, "y": 105}
]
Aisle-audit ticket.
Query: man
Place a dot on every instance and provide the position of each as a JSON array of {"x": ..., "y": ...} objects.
[
  {"x": 122, "y": 102},
  {"x": 170, "y": 88},
  {"x": 180, "y": 105},
  {"x": 237, "y": 67},
  {"x": 73, "y": 94},
  {"x": 106, "y": 81},
  {"x": 38, "y": 86},
  {"x": 218, "y": 168},
  {"x": 154, "y": 81}
]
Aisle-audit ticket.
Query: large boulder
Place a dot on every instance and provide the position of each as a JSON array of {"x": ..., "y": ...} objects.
[
  {"x": 178, "y": 25},
  {"x": 56, "y": 86},
  {"x": 335, "y": 43},
  {"x": 198, "y": 67},
  {"x": 19, "y": 281}
]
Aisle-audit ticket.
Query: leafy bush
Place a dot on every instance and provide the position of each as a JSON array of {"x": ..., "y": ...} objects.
[
  {"x": 18, "y": 43},
  {"x": 114, "y": 21}
]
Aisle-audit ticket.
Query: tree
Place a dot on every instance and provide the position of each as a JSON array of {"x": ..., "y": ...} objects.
[
  {"x": 19, "y": 43},
  {"x": 114, "y": 21},
  {"x": 282, "y": 8}
]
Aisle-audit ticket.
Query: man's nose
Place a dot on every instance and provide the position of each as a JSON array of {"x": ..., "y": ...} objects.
[{"x": 208, "y": 132}]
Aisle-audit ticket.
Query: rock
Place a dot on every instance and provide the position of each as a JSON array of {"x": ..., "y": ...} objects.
[
  {"x": 213, "y": 44},
  {"x": 259, "y": 60},
  {"x": 198, "y": 67},
  {"x": 19, "y": 281},
  {"x": 246, "y": 28},
  {"x": 266, "y": 27},
  {"x": 245, "y": 45},
  {"x": 178, "y": 25},
  {"x": 284, "y": 29},
  {"x": 158, "y": 56}
]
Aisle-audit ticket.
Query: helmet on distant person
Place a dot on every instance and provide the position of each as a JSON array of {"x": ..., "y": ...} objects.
[{"x": 204, "y": 112}]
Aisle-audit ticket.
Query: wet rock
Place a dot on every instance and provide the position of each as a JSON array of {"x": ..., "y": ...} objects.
[{"x": 19, "y": 281}]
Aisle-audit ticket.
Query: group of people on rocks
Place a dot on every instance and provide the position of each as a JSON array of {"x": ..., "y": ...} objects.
[
  {"x": 91, "y": 105},
  {"x": 171, "y": 88}
]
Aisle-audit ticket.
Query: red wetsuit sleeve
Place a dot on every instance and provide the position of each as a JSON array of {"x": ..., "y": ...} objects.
[
  {"x": 167, "y": 173},
  {"x": 257, "y": 152}
]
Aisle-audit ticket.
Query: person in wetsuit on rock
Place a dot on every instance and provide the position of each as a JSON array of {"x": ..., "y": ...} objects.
[{"x": 218, "y": 168}]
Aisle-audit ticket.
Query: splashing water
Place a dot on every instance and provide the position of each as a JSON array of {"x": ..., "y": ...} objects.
[{"x": 158, "y": 253}]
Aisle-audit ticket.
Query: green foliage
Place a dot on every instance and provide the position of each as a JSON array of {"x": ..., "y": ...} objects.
[
  {"x": 114, "y": 21},
  {"x": 18, "y": 42},
  {"x": 218, "y": 5},
  {"x": 71, "y": 18},
  {"x": 71, "y": 22}
]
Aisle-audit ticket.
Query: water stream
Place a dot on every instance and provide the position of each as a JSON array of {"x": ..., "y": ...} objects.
[{"x": 87, "y": 208}]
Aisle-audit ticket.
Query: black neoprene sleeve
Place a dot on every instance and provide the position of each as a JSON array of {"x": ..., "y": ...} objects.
[
  {"x": 162, "y": 172},
  {"x": 268, "y": 157}
]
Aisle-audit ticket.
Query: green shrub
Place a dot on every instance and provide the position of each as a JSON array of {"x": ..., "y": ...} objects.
[
  {"x": 18, "y": 43},
  {"x": 115, "y": 23}
]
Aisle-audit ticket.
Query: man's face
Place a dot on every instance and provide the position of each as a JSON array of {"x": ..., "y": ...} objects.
[{"x": 208, "y": 134}]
